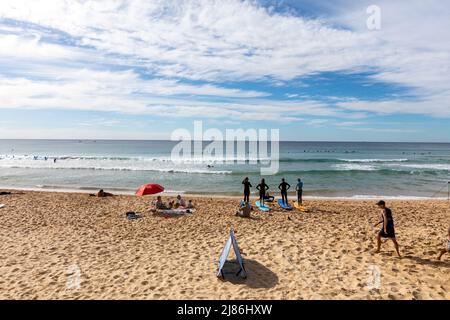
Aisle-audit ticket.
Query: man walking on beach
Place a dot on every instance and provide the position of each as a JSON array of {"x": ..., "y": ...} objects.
[
  {"x": 299, "y": 189},
  {"x": 247, "y": 186},
  {"x": 284, "y": 187},
  {"x": 387, "y": 230}
]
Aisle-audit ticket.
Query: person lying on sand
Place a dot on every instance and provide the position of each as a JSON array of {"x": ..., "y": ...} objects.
[
  {"x": 103, "y": 194},
  {"x": 244, "y": 211},
  {"x": 180, "y": 203},
  {"x": 4, "y": 193},
  {"x": 387, "y": 230},
  {"x": 447, "y": 249},
  {"x": 268, "y": 197}
]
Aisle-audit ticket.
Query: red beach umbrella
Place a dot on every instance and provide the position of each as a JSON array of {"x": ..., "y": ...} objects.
[{"x": 151, "y": 188}]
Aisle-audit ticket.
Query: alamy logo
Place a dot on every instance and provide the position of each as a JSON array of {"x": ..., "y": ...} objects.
[
  {"x": 374, "y": 278},
  {"x": 373, "y": 22},
  {"x": 73, "y": 277},
  {"x": 236, "y": 145}
]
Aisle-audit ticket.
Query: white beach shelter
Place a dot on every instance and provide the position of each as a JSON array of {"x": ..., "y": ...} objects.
[{"x": 224, "y": 255}]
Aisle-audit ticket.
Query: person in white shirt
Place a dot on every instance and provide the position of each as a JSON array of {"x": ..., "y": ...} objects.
[{"x": 180, "y": 202}]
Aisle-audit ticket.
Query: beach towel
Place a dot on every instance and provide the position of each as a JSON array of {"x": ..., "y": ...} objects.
[{"x": 175, "y": 211}]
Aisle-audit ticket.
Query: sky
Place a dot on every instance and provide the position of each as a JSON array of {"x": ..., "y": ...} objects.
[{"x": 135, "y": 69}]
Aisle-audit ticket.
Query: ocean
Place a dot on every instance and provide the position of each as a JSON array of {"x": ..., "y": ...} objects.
[{"x": 328, "y": 169}]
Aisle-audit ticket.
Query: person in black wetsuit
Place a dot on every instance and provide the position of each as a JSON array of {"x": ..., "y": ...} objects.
[
  {"x": 387, "y": 230},
  {"x": 284, "y": 187},
  {"x": 247, "y": 186},
  {"x": 262, "y": 187}
]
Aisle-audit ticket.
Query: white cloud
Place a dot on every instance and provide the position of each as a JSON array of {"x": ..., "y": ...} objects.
[
  {"x": 215, "y": 42},
  {"x": 126, "y": 92},
  {"x": 437, "y": 106},
  {"x": 86, "y": 133},
  {"x": 208, "y": 40}
]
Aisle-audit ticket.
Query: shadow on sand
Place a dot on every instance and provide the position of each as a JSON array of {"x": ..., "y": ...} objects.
[
  {"x": 248, "y": 218},
  {"x": 429, "y": 262},
  {"x": 170, "y": 215},
  {"x": 258, "y": 276}
]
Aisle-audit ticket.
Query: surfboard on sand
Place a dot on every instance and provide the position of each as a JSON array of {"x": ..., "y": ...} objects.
[
  {"x": 299, "y": 206},
  {"x": 262, "y": 207},
  {"x": 283, "y": 205}
]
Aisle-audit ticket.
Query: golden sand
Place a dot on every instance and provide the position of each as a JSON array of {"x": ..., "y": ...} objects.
[{"x": 49, "y": 241}]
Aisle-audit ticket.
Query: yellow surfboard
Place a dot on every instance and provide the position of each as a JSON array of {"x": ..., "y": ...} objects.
[{"x": 299, "y": 206}]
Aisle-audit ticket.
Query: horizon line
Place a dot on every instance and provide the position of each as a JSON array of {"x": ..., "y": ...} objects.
[{"x": 334, "y": 141}]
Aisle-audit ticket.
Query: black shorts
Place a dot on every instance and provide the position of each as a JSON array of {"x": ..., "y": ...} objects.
[{"x": 390, "y": 233}]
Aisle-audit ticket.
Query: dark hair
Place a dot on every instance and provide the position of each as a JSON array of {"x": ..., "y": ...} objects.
[{"x": 381, "y": 203}]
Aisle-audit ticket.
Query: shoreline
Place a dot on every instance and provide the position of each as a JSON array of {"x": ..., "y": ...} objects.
[{"x": 228, "y": 196}]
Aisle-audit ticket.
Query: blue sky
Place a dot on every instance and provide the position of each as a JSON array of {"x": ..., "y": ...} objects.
[{"x": 120, "y": 69}]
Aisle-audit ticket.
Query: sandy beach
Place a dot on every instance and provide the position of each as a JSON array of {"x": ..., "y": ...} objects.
[{"x": 49, "y": 238}]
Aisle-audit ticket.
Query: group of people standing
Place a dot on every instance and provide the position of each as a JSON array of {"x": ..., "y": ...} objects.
[{"x": 262, "y": 188}]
